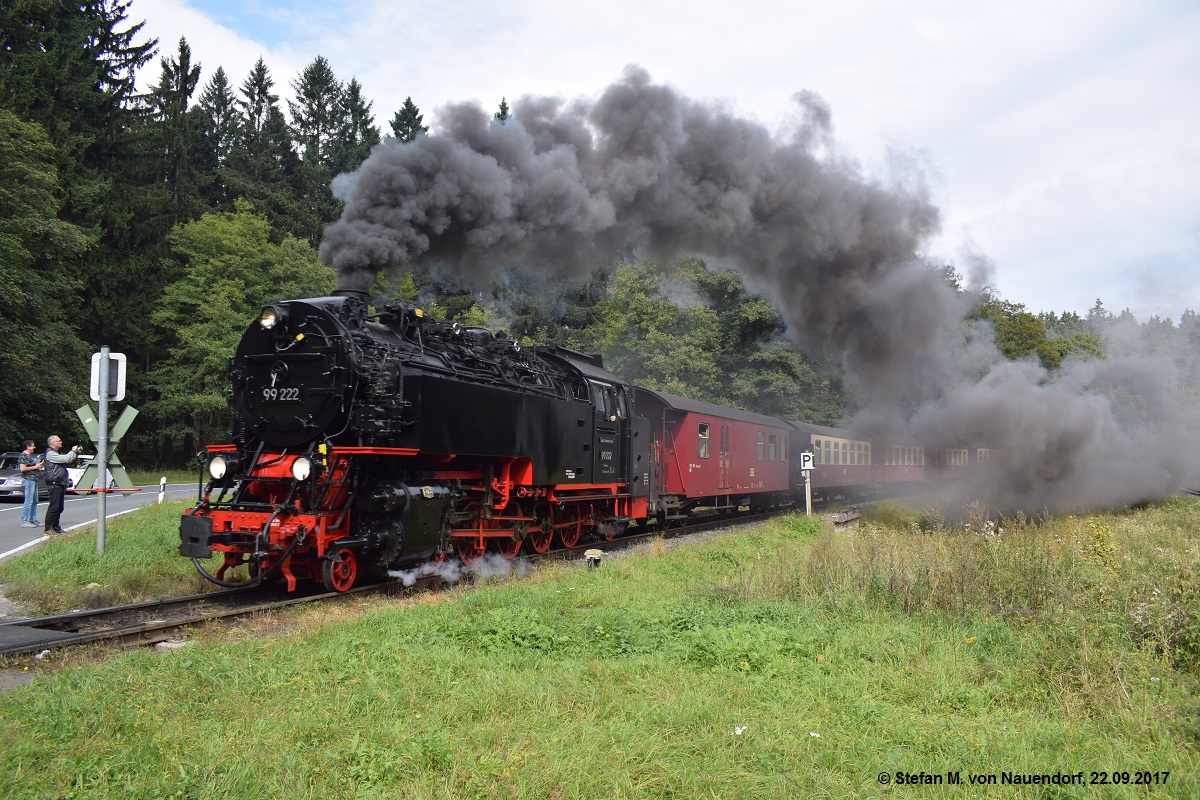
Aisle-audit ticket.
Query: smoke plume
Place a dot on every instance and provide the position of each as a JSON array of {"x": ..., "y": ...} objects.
[{"x": 561, "y": 187}]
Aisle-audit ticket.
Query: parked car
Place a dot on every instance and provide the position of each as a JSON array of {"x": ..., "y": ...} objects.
[
  {"x": 12, "y": 485},
  {"x": 75, "y": 473}
]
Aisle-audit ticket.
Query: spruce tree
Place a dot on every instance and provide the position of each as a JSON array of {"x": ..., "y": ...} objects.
[
  {"x": 176, "y": 132},
  {"x": 406, "y": 124},
  {"x": 315, "y": 124},
  {"x": 262, "y": 164},
  {"x": 217, "y": 131},
  {"x": 357, "y": 134}
]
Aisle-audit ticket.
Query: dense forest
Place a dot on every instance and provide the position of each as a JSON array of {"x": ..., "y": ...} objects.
[{"x": 157, "y": 222}]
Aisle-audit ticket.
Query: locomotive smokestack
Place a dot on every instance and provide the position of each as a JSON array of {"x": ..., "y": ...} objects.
[{"x": 354, "y": 282}]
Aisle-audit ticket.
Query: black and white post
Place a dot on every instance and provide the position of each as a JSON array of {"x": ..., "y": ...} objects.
[{"x": 806, "y": 465}]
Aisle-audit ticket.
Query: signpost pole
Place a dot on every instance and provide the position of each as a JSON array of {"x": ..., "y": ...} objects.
[
  {"x": 807, "y": 494},
  {"x": 102, "y": 452}
]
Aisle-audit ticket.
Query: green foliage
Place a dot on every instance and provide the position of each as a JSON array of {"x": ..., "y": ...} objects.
[
  {"x": 406, "y": 123},
  {"x": 231, "y": 268},
  {"x": 40, "y": 355},
  {"x": 357, "y": 133},
  {"x": 683, "y": 329},
  {"x": 175, "y": 131},
  {"x": 1020, "y": 334},
  {"x": 262, "y": 165}
]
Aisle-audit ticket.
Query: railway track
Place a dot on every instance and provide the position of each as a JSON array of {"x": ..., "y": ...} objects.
[{"x": 155, "y": 621}]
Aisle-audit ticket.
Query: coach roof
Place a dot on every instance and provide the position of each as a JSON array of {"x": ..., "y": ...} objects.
[{"x": 712, "y": 409}]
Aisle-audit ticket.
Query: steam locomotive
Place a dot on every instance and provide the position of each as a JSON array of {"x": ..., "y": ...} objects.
[{"x": 364, "y": 442}]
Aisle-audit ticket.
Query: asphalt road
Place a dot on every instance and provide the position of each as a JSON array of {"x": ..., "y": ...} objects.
[{"x": 79, "y": 510}]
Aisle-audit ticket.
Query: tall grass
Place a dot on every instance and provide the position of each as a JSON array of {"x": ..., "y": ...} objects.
[
  {"x": 789, "y": 661},
  {"x": 140, "y": 561}
]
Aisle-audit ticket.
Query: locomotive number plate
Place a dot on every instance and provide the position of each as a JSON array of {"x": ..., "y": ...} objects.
[{"x": 282, "y": 394}]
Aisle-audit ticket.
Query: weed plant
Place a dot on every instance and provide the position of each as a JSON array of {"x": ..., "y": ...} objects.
[{"x": 790, "y": 661}]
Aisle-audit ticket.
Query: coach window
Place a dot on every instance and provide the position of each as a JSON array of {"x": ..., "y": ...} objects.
[
  {"x": 867, "y": 450},
  {"x": 845, "y": 453},
  {"x": 827, "y": 461},
  {"x": 771, "y": 446},
  {"x": 760, "y": 445},
  {"x": 702, "y": 448},
  {"x": 817, "y": 451},
  {"x": 783, "y": 440}
]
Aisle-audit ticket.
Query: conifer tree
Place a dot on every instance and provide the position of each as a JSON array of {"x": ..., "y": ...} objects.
[
  {"x": 315, "y": 125},
  {"x": 358, "y": 133},
  {"x": 217, "y": 130},
  {"x": 406, "y": 124},
  {"x": 176, "y": 132},
  {"x": 262, "y": 164}
]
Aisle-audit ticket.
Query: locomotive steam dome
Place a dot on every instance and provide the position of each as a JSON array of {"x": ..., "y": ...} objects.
[{"x": 289, "y": 375}]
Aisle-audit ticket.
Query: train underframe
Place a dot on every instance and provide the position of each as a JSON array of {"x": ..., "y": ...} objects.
[{"x": 370, "y": 509}]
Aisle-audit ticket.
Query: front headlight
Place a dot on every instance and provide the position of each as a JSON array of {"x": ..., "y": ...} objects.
[
  {"x": 220, "y": 466},
  {"x": 270, "y": 317},
  {"x": 301, "y": 468}
]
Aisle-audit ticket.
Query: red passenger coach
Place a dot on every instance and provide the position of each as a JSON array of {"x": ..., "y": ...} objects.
[{"x": 709, "y": 456}]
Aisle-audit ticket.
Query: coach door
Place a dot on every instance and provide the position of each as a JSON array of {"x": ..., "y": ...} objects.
[{"x": 723, "y": 459}]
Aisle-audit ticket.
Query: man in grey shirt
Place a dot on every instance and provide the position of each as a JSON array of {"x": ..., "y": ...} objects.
[{"x": 56, "y": 479}]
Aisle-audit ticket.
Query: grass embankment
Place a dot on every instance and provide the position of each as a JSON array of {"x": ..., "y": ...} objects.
[
  {"x": 150, "y": 477},
  {"x": 786, "y": 662},
  {"x": 140, "y": 561}
]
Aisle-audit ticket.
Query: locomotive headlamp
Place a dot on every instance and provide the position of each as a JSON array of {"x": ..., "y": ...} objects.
[
  {"x": 302, "y": 467},
  {"x": 271, "y": 316},
  {"x": 221, "y": 465}
]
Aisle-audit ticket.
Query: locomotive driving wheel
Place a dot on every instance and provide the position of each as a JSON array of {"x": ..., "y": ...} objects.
[
  {"x": 339, "y": 571},
  {"x": 510, "y": 548},
  {"x": 469, "y": 550},
  {"x": 569, "y": 533},
  {"x": 542, "y": 534}
]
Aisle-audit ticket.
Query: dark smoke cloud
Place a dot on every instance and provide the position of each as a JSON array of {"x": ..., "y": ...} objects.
[{"x": 564, "y": 186}]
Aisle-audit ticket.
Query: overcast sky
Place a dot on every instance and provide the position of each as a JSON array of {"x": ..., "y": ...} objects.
[{"x": 1061, "y": 138}]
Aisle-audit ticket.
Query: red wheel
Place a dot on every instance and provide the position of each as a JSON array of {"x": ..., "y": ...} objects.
[
  {"x": 508, "y": 548},
  {"x": 540, "y": 538},
  {"x": 338, "y": 573},
  {"x": 469, "y": 550},
  {"x": 569, "y": 534}
]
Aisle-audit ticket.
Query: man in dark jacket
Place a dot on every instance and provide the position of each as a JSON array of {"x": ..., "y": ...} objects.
[{"x": 56, "y": 479}]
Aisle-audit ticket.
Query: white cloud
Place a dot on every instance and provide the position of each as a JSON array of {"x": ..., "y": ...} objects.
[{"x": 1062, "y": 135}]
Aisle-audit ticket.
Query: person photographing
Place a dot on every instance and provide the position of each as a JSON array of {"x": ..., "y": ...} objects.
[{"x": 56, "y": 463}]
